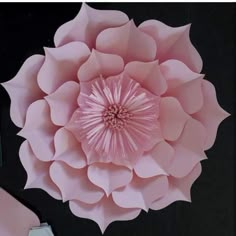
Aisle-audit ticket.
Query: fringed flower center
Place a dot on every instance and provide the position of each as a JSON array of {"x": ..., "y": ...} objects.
[{"x": 116, "y": 116}]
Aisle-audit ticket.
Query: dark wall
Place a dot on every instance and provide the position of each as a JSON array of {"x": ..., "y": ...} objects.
[{"x": 26, "y": 28}]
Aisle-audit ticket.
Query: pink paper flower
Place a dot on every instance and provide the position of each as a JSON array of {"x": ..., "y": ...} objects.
[{"x": 116, "y": 117}]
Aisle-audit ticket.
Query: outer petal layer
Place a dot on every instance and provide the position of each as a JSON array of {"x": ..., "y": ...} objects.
[
  {"x": 179, "y": 189},
  {"x": 63, "y": 102},
  {"x": 23, "y": 89},
  {"x": 173, "y": 43},
  {"x": 128, "y": 42},
  {"x": 109, "y": 176},
  {"x": 189, "y": 95},
  {"x": 104, "y": 212},
  {"x": 189, "y": 149},
  {"x": 211, "y": 114},
  {"x": 177, "y": 73},
  {"x": 61, "y": 65},
  {"x": 39, "y": 130},
  {"x": 74, "y": 183},
  {"x": 140, "y": 193},
  {"x": 37, "y": 172},
  {"x": 87, "y": 25}
]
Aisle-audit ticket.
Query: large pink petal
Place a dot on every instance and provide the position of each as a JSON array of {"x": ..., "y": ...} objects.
[
  {"x": 211, "y": 114},
  {"x": 140, "y": 193},
  {"x": 39, "y": 130},
  {"x": 100, "y": 64},
  {"x": 172, "y": 118},
  {"x": 16, "y": 219},
  {"x": 189, "y": 149},
  {"x": 189, "y": 95},
  {"x": 37, "y": 172},
  {"x": 155, "y": 162},
  {"x": 103, "y": 213},
  {"x": 74, "y": 183},
  {"x": 88, "y": 24},
  {"x": 128, "y": 42},
  {"x": 173, "y": 43},
  {"x": 108, "y": 176},
  {"x": 63, "y": 102},
  {"x": 23, "y": 89},
  {"x": 61, "y": 65},
  {"x": 177, "y": 73},
  {"x": 68, "y": 149},
  {"x": 148, "y": 74},
  {"x": 179, "y": 189}
]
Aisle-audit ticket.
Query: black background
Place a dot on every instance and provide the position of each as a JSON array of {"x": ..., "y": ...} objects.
[{"x": 26, "y": 28}]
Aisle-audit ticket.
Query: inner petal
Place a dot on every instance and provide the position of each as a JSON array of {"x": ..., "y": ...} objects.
[{"x": 117, "y": 118}]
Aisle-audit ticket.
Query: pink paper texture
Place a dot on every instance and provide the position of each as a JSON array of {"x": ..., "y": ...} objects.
[
  {"x": 116, "y": 117},
  {"x": 15, "y": 219}
]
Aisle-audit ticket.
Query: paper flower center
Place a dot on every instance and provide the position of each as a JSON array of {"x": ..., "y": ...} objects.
[{"x": 116, "y": 116}]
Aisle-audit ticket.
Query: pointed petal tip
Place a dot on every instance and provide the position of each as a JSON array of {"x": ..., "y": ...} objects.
[
  {"x": 201, "y": 76},
  {"x": 146, "y": 209},
  {"x": 189, "y": 200},
  {"x": 131, "y": 22},
  {"x": 7, "y": 84},
  {"x": 86, "y": 6},
  {"x": 102, "y": 228},
  {"x": 46, "y": 50},
  {"x": 64, "y": 199},
  {"x": 26, "y": 186},
  {"x": 189, "y": 25},
  {"x": 108, "y": 192},
  {"x": 226, "y": 114},
  {"x": 4, "y": 84},
  {"x": 20, "y": 133},
  {"x": 186, "y": 27}
]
